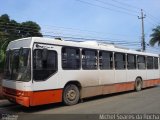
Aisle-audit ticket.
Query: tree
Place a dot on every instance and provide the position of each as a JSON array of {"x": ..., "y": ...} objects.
[
  {"x": 11, "y": 30},
  {"x": 155, "y": 36},
  {"x": 29, "y": 29}
]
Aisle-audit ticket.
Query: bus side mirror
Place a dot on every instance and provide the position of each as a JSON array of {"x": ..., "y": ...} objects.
[{"x": 44, "y": 54}]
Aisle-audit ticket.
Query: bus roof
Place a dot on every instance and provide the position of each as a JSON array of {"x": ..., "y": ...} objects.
[{"x": 28, "y": 43}]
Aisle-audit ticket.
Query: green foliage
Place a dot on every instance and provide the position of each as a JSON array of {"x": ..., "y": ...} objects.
[
  {"x": 11, "y": 30},
  {"x": 155, "y": 36},
  {"x": 30, "y": 29}
]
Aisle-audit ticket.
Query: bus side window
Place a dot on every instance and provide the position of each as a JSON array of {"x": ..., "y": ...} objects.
[
  {"x": 120, "y": 63},
  {"x": 105, "y": 60},
  {"x": 141, "y": 62},
  {"x": 131, "y": 61},
  {"x": 89, "y": 59},
  {"x": 149, "y": 62},
  {"x": 43, "y": 69},
  {"x": 70, "y": 58},
  {"x": 155, "y": 63}
]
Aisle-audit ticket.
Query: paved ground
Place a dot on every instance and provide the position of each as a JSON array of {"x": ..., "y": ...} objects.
[{"x": 143, "y": 102}]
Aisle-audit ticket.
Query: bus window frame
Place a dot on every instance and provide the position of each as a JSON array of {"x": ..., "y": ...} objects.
[
  {"x": 33, "y": 66},
  {"x": 135, "y": 61},
  {"x": 147, "y": 67},
  {"x": 124, "y": 55},
  {"x": 111, "y": 61},
  {"x": 144, "y": 62},
  {"x": 97, "y": 57},
  {"x": 80, "y": 59}
]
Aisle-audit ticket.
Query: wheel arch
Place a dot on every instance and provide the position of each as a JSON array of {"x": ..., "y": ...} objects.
[
  {"x": 75, "y": 82},
  {"x": 139, "y": 78}
]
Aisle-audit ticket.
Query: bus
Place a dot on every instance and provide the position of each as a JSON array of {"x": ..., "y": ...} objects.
[{"x": 42, "y": 70}]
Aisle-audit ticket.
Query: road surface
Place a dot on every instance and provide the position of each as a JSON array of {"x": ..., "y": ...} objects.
[{"x": 146, "y": 101}]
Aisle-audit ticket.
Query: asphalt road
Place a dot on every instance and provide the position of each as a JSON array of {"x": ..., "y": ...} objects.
[{"x": 146, "y": 101}]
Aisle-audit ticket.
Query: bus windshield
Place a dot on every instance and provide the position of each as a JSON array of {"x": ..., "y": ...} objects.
[{"x": 17, "y": 66}]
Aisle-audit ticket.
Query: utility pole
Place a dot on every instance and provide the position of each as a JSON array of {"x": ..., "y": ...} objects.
[{"x": 143, "y": 36}]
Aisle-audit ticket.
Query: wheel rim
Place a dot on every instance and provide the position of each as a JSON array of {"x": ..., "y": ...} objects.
[
  {"x": 71, "y": 95},
  {"x": 139, "y": 84}
]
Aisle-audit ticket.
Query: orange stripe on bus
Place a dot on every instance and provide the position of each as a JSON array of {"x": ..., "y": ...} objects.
[
  {"x": 120, "y": 87},
  {"x": 149, "y": 83},
  {"x": 33, "y": 98},
  {"x": 46, "y": 97}
]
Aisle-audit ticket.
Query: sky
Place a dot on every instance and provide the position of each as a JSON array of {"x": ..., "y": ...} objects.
[{"x": 110, "y": 20}]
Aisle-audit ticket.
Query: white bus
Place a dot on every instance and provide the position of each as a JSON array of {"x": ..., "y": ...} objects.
[{"x": 45, "y": 70}]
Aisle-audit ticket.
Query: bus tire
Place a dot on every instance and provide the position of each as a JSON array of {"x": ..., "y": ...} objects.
[
  {"x": 71, "y": 94},
  {"x": 138, "y": 84}
]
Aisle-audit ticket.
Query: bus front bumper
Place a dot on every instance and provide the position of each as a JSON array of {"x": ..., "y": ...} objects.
[{"x": 24, "y": 101}]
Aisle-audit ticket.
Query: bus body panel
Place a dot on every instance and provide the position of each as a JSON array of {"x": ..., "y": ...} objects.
[
  {"x": 25, "y": 43},
  {"x": 142, "y": 74},
  {"x": 106, "y": 77},
  {"x": 24, "y": 86},
  {"x": 152, "y": 74},
  {"x": 132, "y": 75},
  {"x": 93, "y": 82},
  {"x": 120, "y": 76}
]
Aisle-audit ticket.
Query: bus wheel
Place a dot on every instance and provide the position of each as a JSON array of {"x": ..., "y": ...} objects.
[
  {"x": 71, "y": 94},
  {"x": 138, "y": 84}
]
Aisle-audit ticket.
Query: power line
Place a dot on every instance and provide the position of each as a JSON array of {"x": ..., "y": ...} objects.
[
  {"x": 83, "y": 30},
  {"x": 106, "y": 8},
  {"x": 107, "y": 3},
  {"x": 13, "y": 28},
  {"x": 66, "y": 29},
  {"x": 128, "y": 5},
  {"x": 155, "y": 19},
  {"x": 127, "y": 45},
  {"x": 93, "y": 39},
  {"x": 5, "y": 25},
  {"x": 86, "y": 36}
]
